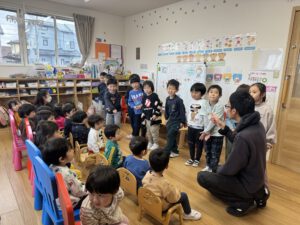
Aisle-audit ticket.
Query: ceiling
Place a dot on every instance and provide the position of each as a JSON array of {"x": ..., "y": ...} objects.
[{"x": 118, "y": 7}]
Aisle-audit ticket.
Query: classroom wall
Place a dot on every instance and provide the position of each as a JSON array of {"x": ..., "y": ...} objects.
[
  {"x": 200, "y": 19},
  {"x": 112, "y": 26}
]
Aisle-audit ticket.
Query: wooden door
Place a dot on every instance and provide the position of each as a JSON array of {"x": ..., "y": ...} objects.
[{"x": 287, "y": 152}]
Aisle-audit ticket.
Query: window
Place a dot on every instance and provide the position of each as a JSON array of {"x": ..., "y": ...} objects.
[
  {"x": 45, "y": 42},
  {"x": 40, "y": 46},
  {"x": 9, "y": 38},
  {"x": 68, "y": 50}
]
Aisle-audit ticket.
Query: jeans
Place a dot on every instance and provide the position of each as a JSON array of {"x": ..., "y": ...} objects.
[
  {"x": 172, "y": 132},
  {"x": 137, "y": 121},
  {"x": 213, "y": 151},
  {"x": 185, "y": 203},
  {"x": 113, "y": 118},
  {"x": 194, "y": 142}
]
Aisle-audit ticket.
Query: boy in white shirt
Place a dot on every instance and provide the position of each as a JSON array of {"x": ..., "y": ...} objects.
[
  {"x": 95, "y": 138},
  {"x": 195, "y": 118}
]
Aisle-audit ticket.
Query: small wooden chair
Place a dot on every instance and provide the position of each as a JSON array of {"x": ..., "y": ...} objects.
[
  {"x": 128, "y": 181},
  {"x": 151, "y": 204},
  {"x": 71, "y": 139}
]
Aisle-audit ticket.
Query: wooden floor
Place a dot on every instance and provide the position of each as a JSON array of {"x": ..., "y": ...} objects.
[{"x": 16, "y": 207}]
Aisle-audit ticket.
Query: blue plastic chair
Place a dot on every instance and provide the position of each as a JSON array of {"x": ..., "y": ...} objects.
[
  {"x": 33, "y": 151},
  {"x": 51, "y": 214}
]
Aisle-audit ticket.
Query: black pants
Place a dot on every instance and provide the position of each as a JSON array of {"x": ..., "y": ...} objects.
[
  {"x": 143, "y": 130},
  {"x": 213, "y": 148},
  {"x": 185, "y": 203},
  {"x": 228, "y": 188},
  {"x": 136, "y": 124},
  {"x": 131, "y": 115},
  {"x": 172, "y": 132},
  {"x": 194, "y": 142}
]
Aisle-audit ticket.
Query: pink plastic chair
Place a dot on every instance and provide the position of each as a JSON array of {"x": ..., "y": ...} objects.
[
  {"x": 18, "y": 144},
  {"x": 29, "y": 135}
]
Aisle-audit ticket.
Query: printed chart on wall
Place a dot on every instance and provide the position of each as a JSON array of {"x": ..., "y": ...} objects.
[{"x": 185, "y": 73}]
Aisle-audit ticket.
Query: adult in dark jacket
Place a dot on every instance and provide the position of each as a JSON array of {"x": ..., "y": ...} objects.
[{"x": 240, "y": 181}]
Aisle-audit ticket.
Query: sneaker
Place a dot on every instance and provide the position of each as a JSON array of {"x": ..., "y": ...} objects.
[
  {"x": 207, "y": 169},
  {"x": 154, "y": 146},
  {"x": 196, "y": 163},
  {"x": 189, "y": 162},
  {"x": 240, "y": 211},
  {"x": 262, "y": 202},
  {"x": 129, "y": 136},
  {"x": 149, "y": 146},
  {"x": 194, "y": 215},
  {"x": 173, "y": 155}
]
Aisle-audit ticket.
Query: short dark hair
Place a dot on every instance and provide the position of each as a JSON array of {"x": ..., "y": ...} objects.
[
  {"x": 25, "y": 110},
  {"x": 112, "y": 81},
  {"x": 110, "y": 130},
  {"x": 44, "y": 130},
  {"x": 67, "y": 108},
  {"x": 215, "y": 86},
  {"x": 79, "y": 116},
  {"x": 135, "y": 78},
  {"x": 103, "y": 74},
  {"x": 159, "y": 160},
  {"x": 262, "y": 88},
  {"x": 103, "y": 180},
  {"x": 12, "y": 103},
  {"x": 109, "y": 76},
  {"x": 149, "y": 83},
  {"x": 43, "y": 115},
  {"x": 242, "y": 102},
  {"x": 93, "y": 119},
  {"x": 58, "y": 110},
  {"x": 138, "y": 144},
  {"x": 198, "y": 87},
  {"x": 55, "y": 148},
  {"x": 174, "y": 83},
  {"x": 243, "y": 87}
]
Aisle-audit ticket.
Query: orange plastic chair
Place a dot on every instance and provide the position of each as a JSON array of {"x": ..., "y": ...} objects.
[
  {"x": 124, "y": 109},
  {"x": 65, "y": 202}
]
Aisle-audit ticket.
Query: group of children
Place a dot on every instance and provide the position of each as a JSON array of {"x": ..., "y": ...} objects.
[{"x": 100, "y": 196}]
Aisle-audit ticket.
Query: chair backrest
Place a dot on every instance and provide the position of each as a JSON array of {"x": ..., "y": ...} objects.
[
  {"x": 128, "y": 181},
  {"x": 64, "y": 200},
  {"x": 71, "y": 139},
  {"x": 13, "y": 125},
  {"x": 48, "y": 184},
  {"x": 123, "y": 103},
  {"x": 101, "y": 159},
  {"x": 150, "y": 203},
  {"x": 32, "y": 150},
  {"x": 28, "y": 130},
  {"x": 77, "y": 151}
]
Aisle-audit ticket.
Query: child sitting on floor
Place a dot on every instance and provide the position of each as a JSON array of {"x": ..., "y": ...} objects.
[
  {"x": 57, "y": 153},
  {"x": 95, "y": 138},
  {"x": 101, "y": 207},
  {"x": 112, "y": 150},
  {"x": 135, "y": 163},
  {"x": 160, "y": 186}
]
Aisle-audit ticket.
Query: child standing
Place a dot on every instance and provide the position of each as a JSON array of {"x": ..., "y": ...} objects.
[
  {"x": 135, "y": 103},
  {"x": 112, "y": 150},
  {"x": 112, "y": 101},
  {"x": 68, "y": 110},
  {"x": 135, "y": 163},
  {"x": 196, "y": 116},
  {"x": 101, "y": 207},
  {"x": 160, "y": 186},
  {"x": 14, "y": 106},
  {"x": 214, "y": 140},
  {"x": 27, "y": 111},
  {"x": 57, "y": 153},
  {"x": 79, "y": 127},
  {"x": 152, "y": 114},
  {"x": 175, "y": 116},
  {"x": 102, "y": 89},
  {"x": 258, "y": 92},
  {"x": 95, "y": 138}
]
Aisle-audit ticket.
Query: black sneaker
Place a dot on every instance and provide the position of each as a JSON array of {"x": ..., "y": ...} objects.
[
  {"x": 240, "y": 211},
  {"x": 262, "y": 202}
]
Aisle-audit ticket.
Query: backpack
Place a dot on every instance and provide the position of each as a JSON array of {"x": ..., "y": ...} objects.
[{"x": 4, "y": 119}]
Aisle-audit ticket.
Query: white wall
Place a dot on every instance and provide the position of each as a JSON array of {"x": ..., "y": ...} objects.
[
  {"x": 270, "y": 19},
  {"x": 112, "y": 26}
]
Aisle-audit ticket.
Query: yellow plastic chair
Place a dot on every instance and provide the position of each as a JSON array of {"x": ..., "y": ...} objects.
[{"x": 151, "y": 204}]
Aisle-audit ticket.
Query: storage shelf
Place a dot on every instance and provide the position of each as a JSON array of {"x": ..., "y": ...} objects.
[
  {"x": 8, "y": 88},
  {"x": 28, "y": 88},
  {"x": 64, "y": 94},
  {"x": 12, "y": 96}
]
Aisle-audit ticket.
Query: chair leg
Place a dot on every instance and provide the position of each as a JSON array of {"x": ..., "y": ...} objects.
[
  {"x": 140, "y": 216},
  {"x": 180, "y": 215},
  {"x": 18, "y": 160}
]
